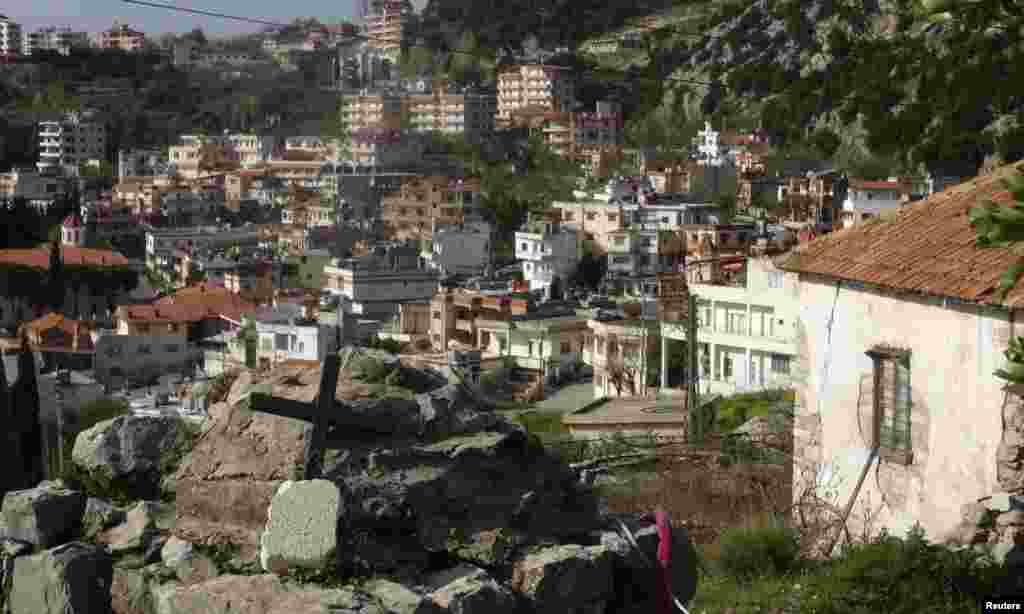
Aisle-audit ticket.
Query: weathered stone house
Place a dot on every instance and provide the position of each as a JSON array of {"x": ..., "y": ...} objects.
[{"x": 900, "y": 330}]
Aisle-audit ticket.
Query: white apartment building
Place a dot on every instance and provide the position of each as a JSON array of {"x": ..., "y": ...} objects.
[
  {"x": 139, "y": 162},
  {"x": 61, "y": 40},
  {"x": 10, "y": 36},
  {"x": 535, "y": 86},
  {"x": 68, "y": 142},
  {"x": 459, "y": 249},
  {"x": 709, "y": 150},
  {"x": 868, "y": 199},
  {"x": 547, "y": 250},
  {"x": 747, "y": 332}
]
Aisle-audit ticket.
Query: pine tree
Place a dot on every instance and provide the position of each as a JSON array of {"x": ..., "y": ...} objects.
[{"x": 56, "y": 278}]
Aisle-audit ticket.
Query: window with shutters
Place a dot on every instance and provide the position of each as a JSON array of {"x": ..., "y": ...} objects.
[{"x": 892, "y": 405}]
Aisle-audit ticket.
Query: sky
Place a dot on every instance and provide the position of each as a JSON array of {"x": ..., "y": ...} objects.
[{"x": 96, "y": 15}]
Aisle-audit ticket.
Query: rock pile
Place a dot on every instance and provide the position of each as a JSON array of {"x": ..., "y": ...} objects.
[{"x": 435, "y": 506}]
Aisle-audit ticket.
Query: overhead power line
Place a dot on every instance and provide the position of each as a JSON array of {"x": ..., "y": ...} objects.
[{"x": 473, "y": 54}]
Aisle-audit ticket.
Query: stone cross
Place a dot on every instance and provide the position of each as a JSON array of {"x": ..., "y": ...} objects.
[{"x": 318, "y": 413}]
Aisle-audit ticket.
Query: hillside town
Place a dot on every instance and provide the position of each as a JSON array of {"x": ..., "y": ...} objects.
[{"x": 517, "y": 302}]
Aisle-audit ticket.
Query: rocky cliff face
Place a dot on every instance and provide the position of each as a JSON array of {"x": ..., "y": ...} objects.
[{"x": 425, "y": 505}]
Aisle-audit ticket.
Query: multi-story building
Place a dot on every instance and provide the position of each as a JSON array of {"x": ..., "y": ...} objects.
[
  {"x": 815, "y": 197},
  {"x": 139, "y": 162},
  {"x": 620, "y": 350},
  {"x": 544, "y": 340},
  {"x": 40, "y": 189},
  {"x": 386, "y": 24},
  {"x": 374, "y": 286},
  {"x": 541, "y": 87},
  {"x": 548, "y": 251},
  {"x": 747, "y": 329},
  {"x": 160, "y": 244},
  {"x": 366, "y": 110},
  {"x": 10, "y": 37},
  {"x": 412, "y": 211},
  {"x": 467, "y": 113},
  {"x": 593, "y": 139},
  {"x": 199, "y": 155},
  {"x": 68, "y": 142},
  {"x": 464, "y": 248},
  {"x": 61, "y": 40},
  {"x": 867, "y": 199},
  {"x": 122, "y": 37},
  {"x": 308, "y": 211}
]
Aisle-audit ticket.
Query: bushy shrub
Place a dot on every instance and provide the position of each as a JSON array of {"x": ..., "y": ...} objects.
[
  {"x": 388, "y": 345},
  {"x": 903, "y": 575},
  {"x": 746, "y": 553}
]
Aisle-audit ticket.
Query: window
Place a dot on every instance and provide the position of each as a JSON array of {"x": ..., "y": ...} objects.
[
  {"x": 145, "y": 349},
  {"x": 892, "y": 405},
  {"x": 727, "y": 366},
  {"x": 566, "y": 348},
  {"x": 569, "y": 215},
  {"x": 437, "y": 315},
  {"x": 591, "y": 217},
  {"x": 281, "y": 342},
  {"x": 612, "y": 217},
  {"x": 524, "y": 247},
  {"x": 780, "y": 364},
  {"x": 775, "y": 279},
  {"x": 172, "y": 349}
]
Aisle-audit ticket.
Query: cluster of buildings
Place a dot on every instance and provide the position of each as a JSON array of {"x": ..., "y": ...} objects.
[{"x": 16, "y": 41}]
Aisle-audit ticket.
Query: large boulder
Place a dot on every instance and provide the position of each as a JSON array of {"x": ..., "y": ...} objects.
[
  {"x": 100, "y": 515},
  {"x": 45, "y": 516},
  {"x": 127, "y": 457},
  {"x": 143, "y": 524},
  {"x": 74, "y": 578},
  {"x": 10, "y": 549},
  {"x": 451, "y": 411},
  {"x": 470, "y": 590},
  {"x": 225, "y": 485},
  {"x": 478, "y": 496},
  {"x": 566, "y": 579},
  {"x": 397, "y": 598},
  {"x": 302, "y": 527},
  {"x": 264, "y": 594}
]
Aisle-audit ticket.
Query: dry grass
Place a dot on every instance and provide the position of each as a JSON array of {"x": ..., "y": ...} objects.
[{"x": 696, "y": 490}]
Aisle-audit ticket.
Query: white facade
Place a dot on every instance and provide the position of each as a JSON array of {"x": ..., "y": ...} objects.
[
  {"x": 545, "y": 255},
  {"x": 246, "y": 149},
  {"x": 747, "y": 334},
  {"x": 708, "y": 148},
  {"x": 41, "y": 190},
  {"x": 465, "y": 249},
  {"x": 10, "y": 37},
  {"x": 865, "y": 200},
  {"x": 279, "y": 342},
  {"x": 957, "y": 404},
  {"x": 69, "y": 142},
  {"x": 160, "y": 244},
  {"x": 61, "y": 40}
]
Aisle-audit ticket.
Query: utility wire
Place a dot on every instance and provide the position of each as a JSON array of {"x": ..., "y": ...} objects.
[{"x": 477, "y": 55}]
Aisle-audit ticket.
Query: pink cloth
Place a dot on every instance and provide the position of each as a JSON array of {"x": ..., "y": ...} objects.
[{"x": 663, "y": 598}]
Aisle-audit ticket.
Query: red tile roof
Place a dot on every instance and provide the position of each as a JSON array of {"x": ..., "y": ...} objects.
[
  {"x": 864, "y": 184},
  {"x": 926, "y": 247},
  {"x": 68, "y": 328},
  {"x": 191, "y": 304},
  {"x": 39, "y": 257}
]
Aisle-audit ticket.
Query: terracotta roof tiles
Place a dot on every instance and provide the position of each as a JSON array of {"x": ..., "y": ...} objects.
[
  {"x": 927, "y": 246},
  {"x": 39, "y": 257}
]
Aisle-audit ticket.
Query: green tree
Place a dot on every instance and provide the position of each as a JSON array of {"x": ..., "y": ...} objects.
[{"x": 416, "y": 62}]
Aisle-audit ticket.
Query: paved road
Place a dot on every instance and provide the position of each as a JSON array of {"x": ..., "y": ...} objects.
[{"x": 567, "y": 398}]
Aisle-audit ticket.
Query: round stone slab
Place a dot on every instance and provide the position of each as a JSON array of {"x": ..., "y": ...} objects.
[{"x": 302, "y": 527}]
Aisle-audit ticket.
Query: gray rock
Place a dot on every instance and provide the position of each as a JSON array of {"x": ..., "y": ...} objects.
[
  {"x": 470, "y": 590},
  {"x": 176, "y": 551},
  {"x": 9, "y": 550},
  {"x": 142, "y": 525},
  {"x": 74, "y": 578},
  {"x": 265, "y": 594},
  {"x": 399, "y": 599},
  {"x": 100, "y": 515},
  {"x": 450, "y": 411},
  {"x": 131, "y": 454},
  {"x": 302, "y": 527},
  {"x": 566, "y": 578},
  {"x": 44, "y": 516},
  {"x": 1004, "y": 502}
]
